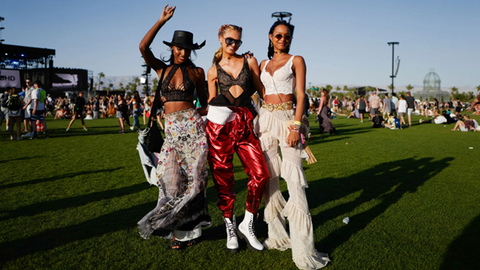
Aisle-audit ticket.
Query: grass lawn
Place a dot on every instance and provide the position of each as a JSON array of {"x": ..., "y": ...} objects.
[{"x": 412, "y": 196}]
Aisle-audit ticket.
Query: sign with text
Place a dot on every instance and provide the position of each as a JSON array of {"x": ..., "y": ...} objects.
[{"x": 10, "y": 78}]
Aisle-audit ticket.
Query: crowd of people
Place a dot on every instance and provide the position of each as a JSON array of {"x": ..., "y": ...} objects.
[
  {"x": 271, "y": 148},
  {"x": 17, "y": 109}
]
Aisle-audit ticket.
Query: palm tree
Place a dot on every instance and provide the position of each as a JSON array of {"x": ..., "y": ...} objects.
[
  {"x": 454, "y": 91},
  {"x": 345, "y": 88},
  {"x": 100, "y": 76},
  {"x": 155, "y": 83},
  {"x": 137, "y": 82},
  {"x": 478, "y": 89},
  {"x": 409, "y": 87},
  {"x": 338, "y": 88}
]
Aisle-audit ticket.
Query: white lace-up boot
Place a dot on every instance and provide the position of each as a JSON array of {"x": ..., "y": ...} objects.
[
  {"x": 247, "y": 232},
  {"x": 232, "y": 241}
]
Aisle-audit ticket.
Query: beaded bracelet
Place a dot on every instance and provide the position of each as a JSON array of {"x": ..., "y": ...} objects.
[{"x": 297, "y": 123}]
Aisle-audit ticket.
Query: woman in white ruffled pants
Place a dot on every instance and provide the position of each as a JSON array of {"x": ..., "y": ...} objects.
[{"x": 281, "y": 76}]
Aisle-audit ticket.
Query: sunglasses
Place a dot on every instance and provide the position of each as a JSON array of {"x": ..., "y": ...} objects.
[
  {"x": 286, "y": 37},
  {"x": 231, "y": 41}
]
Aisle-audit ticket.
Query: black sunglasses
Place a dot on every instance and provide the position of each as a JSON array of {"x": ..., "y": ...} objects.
[
  {"x": 286, "y": 37},
  {"x": 230, "y": 41}
]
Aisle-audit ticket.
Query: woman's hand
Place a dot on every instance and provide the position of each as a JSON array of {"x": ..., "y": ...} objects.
[
  {"x": 293, "y": 138},
  {"x": 167, "y": 12}
]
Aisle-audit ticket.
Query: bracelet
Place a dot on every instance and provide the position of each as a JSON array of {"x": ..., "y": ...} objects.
[
  {"x": 297, "y": 123},
  {"x": 296, "y": 130}
]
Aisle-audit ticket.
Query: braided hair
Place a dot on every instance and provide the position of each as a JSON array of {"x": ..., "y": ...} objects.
[{"x": 270, "y": 45}]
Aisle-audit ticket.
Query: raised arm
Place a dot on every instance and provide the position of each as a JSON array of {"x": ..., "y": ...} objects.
[{"x": 147, "y": 40}]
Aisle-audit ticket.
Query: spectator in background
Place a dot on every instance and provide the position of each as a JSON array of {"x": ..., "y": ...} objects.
[
  {"x": 387, "y": 106},
  {"x": 394, "y": 101},
  {"x": 458, "y": 106},
  {"x": 122, "y": 113},
  {"x": 27, "y": 107},
  {"x": 468, "y": 125},
  {"x": 324, "y": 120},
  {"x": 476, "y": 105},
  {"x": 38, "y": 109},
  {"x": 78, "y": 111},
  {"x": 96, "y": 107},
  {"x": 391, "y": 122},
  {"x": 59, "y": 109},
  {"x": 436, "y": 107},
  {"x": 374, "y": 102},
  {"x": 410, "y": 107},
  {"x": 137, "y": 105},
  {"x": 147, "y": 108},
  {"x": 4, "y": 109},
  {"x": 15, "y": 104},
  {"x": 49, "y": 105},
  {"x": 378, "y": 120},
  {"x": 361, "y": 106},
  {"x": 402, "y": 110},
  {"x": 426, "y": 108}
]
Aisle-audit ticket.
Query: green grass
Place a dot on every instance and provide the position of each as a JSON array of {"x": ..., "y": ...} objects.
[{"x": 412, "y": 195}]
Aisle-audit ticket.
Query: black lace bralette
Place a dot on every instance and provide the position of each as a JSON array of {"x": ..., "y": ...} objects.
[
  {"x": 185, "y": 90},
  {"x": 226, "y": 81}
]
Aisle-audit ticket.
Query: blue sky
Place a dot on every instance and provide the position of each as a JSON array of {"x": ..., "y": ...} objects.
[{"x": 343, "y": 42}]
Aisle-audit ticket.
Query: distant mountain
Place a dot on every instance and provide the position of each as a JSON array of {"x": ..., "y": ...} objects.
[{"x": 116, "y": 80}]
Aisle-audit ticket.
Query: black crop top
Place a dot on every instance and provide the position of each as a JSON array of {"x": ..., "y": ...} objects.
[
  {"x": 226, "y": 81},
  {"x": 184, "y": 92}
]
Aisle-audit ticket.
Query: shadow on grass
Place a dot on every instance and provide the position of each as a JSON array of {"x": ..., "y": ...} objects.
[
  {"x": 115, "y": 221},
  {"x": 386, "y": 183},
  {"x": 342, "y": 132},
  {"x": 60, "y": 133},
  {"x": 20, "y": 158},
  {"x": 56, "y": 177},
  {"x": 464, "y": 252},
  {"x": 71, "y": 202}
]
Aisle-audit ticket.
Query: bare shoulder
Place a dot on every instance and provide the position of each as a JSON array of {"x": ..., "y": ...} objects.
[
  {"x": 252, "y": 61},
  {"x": 262, "y": 64},
  {"x": 212, "y": 72},
  {"x": 298, "y": 60}
]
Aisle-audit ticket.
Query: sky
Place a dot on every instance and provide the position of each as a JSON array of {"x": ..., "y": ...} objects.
[{"x": 343, "y": 42}]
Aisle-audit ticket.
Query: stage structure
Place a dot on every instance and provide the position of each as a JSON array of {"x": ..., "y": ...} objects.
[{"x": 19, "y": 63}]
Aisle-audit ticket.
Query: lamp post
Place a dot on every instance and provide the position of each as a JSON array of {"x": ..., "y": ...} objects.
[{"x": 393, "y": 60}]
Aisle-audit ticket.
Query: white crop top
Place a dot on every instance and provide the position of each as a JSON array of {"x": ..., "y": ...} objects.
[{"x": 284, "y": 79}]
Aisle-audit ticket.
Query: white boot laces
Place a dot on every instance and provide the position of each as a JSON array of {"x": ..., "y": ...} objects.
[
  {"x": 231, "y": 229},
  {"x": 251, "y": 228}
]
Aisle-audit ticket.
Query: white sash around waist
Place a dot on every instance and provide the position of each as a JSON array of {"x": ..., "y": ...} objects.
[{"x": 220, "y": 115}]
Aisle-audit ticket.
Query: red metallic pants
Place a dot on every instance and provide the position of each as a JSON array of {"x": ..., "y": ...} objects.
[{"x": 224, "y": 140}]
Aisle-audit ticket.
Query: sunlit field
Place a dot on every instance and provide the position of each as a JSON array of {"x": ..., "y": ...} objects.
[{"x": 72, "y": 201}]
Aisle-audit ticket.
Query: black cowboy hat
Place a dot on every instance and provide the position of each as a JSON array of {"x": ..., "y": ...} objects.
[{"x": 184, "y": 39}]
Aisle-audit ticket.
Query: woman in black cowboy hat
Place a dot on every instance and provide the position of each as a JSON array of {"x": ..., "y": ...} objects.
[{"x": 181, "y": 172}]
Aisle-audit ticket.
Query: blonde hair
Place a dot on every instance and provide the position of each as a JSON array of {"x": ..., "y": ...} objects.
[{"x": 218, "y": 54}]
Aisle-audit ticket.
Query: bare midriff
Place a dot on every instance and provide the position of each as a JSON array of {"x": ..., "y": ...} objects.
[
  {"x": 173, "y": 106},
  {"x": 277, "y": 99}
]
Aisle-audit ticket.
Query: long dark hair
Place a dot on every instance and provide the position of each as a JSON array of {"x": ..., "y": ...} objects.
[
  {"x": 136, "y": 96},
  {"x": 270, "y": 45}
]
